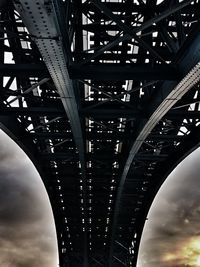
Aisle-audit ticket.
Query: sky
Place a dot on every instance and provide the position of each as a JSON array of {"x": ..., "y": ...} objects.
[
  {"x": 171, "y": 237},
  {"x": 27, "y": 230}
]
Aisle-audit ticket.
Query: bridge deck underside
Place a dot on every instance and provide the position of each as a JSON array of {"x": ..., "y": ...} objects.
[{"x": 123, "y": 62}]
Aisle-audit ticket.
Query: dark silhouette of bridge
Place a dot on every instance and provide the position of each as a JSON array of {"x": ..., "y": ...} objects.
[{"x": 104, "y": 98}]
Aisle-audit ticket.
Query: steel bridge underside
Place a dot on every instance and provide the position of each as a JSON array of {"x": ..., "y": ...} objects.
[{"x": 103, "y": 96}]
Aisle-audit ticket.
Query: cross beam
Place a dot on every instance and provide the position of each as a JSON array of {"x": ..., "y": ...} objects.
[{"x": 112, "y": 72}]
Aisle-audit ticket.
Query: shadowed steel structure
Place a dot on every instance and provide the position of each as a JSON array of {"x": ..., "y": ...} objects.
[{"x": 103, "y": 96}]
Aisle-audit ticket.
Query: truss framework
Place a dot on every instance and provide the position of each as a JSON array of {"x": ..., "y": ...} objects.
[{"x": 104, "y": 98}]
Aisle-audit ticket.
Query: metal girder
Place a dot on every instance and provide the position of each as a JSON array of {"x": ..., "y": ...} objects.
[
  {"x": 47, "y": 16},
  {"x": 106, "y": 136},
  {"x": 54, "y": 58},
  {"x": 127, "y": 30},
  {"x": 49, "y": 135},
  {"x": 159, "y": 109},
  {"x": 106, "y": 113},
  {"x": 23, "y": 70},
  {"x": 191, "y": 142},
  {"x": 150, "y": 157},
  {"x": 33, "y": 111},
  {"x": 112, "y": 72},
  {"x": 129, "y": 33},
  {"x": 59, "y": 156},
  {"x": 28, "y": 90},
  {"x": 63, "y": 156},
  {"x": 167, "y": 55},
  {"x": 120, "y": 7}
]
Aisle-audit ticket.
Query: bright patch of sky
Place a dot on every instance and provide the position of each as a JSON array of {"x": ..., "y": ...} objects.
[{"x": 171, "y": 237}]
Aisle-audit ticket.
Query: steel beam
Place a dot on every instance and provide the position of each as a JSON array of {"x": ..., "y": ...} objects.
[
  {"x": 159, "y": 109},
  {"x": 120, "y": 7},
  {"x": 127, "y": 30},
  {"x": 33, "y": 111},
  {"x": 112, "y": 72},
  {"x": 38, "y": 16},
  {"x": 105, "y": 136},
  {"x": 106, "y": 113},
  {"x": 190, "y": 144},
  {"x": 30, "y": 89},
  {"x": 23, "y": 70},
  {"x": 129, "y": 33}
]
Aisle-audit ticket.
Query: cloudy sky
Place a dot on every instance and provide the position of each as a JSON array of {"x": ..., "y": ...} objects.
[
  {"x": 172, "y": 233},
  {"x": 27, "y": 232},
  {"x": 27, "y": 235}
]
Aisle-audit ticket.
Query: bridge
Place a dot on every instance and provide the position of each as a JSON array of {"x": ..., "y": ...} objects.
[{"x": 103, "y": 96}]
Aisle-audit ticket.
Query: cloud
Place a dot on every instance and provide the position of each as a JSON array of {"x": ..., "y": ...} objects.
[
  {"x": 173, "y": 221},
  {"x": 27, "y": 234}
]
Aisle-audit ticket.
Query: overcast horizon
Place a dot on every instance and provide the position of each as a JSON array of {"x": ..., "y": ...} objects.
[
  {"x": 27, "y": 230},
  {"x": 171, "y": 237}
]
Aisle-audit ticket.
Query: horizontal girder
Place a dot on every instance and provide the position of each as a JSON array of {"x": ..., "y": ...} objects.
[
  {"x": 113, "y": 72},
  {"x": 107, "y": 72},
  {"x": 23, "y": 70},
  {"x": 104, "y": 114}
]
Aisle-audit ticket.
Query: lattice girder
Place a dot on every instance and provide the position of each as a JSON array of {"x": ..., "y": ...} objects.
[{"x": 108, "y": 118}]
